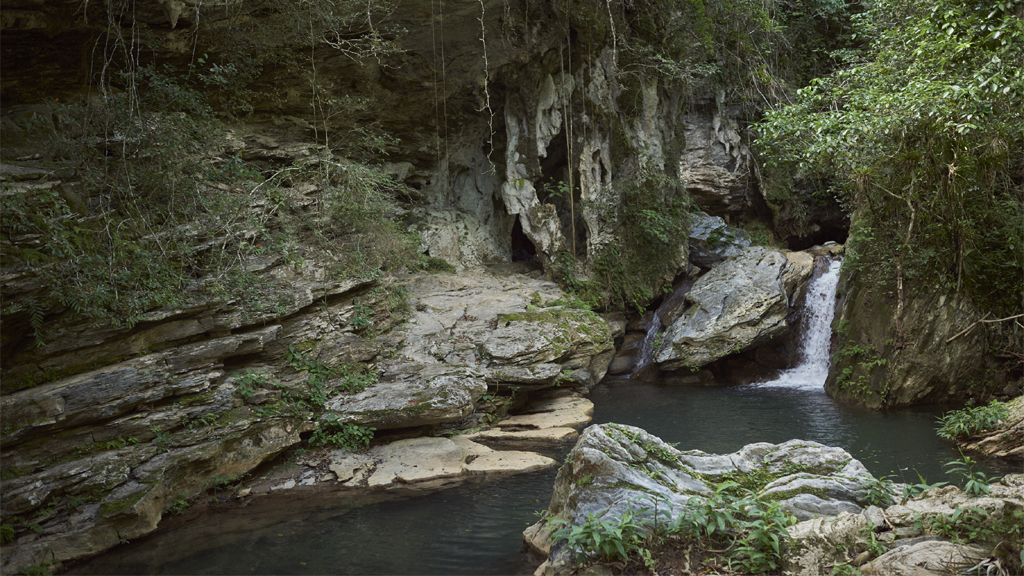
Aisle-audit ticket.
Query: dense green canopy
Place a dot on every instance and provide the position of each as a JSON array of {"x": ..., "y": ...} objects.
[{"x": 922, "y": 136}]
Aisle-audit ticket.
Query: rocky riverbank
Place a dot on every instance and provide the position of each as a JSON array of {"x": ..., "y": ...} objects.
[
  {"x": 799, "y": 508},
  {"x": 97, "y": 458}
]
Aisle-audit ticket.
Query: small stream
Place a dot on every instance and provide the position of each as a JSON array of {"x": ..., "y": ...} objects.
[{"x": 476, "y": 527}]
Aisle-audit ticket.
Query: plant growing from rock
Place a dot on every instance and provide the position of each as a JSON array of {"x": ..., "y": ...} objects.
[
  {"x": 345, "y": 436},
  {"x": 609, "y": 539},
  {"x": 958, "y": 424},
  {"x": 975, "y": 482},
  {"x": 753, "y": 529},
  {"x": 877, "y": 491}
]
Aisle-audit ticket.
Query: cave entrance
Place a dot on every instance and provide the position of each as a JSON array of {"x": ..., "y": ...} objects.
[
  {"x": 523, "y": 249},
  {"x": 824, "y": 233},
  {"x": 552, "y": 188}
]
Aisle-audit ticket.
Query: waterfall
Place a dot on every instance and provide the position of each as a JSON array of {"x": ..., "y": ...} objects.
[
  {"x": 818, "y": 311},
  {"x": 647, "y": 347}
]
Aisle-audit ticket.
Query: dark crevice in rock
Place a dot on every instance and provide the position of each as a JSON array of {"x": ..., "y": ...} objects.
[
  {"x": 824, "y": 232},
  {"x": 523, "y": 249}
]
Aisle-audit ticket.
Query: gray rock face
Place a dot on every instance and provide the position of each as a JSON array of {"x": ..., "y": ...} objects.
[
  {"x": 463, "y": 240},
  {"x": 894, "y": 540},
  {"x": 132, "y": 486},
  {"x": 928, "y": 366},
  {"x": 739, "y": 304},
  {"x": 716, "y": 164},
  {"x": 411, "y": 395},
  {"x": 712, "y": 240},
  {"x": 931, "y": 557},
  {"x": 504, "y": 329},
  {"x": 614, "y": 468}
]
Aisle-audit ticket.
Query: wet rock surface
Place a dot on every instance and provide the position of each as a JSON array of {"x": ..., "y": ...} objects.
[
  {"x": 616, "y": 468},
  {"x": 739, "y": 304}
]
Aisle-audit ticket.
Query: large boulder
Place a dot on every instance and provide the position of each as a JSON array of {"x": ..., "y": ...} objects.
[
  {"x": 616, "y": 468},
  {"x": 923, "y": 355},
  {"x": 738, "y": 305},
  {"x": 712, "y": 240}
]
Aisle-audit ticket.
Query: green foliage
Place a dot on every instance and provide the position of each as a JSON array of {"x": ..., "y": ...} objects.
[
  {"x": 965, "y": 524},
  {"x": 844, "y": 570},
  {"x": 607, "y": 540},
  {"x": 877, "y": 492},
  {"x": 957, "y": 424},
  {"x": 161, "y": 439},
  {"x": 344, "y": 436},
  {"x": 653, "y": 224},
  {"x": 975, "y": 482},
  {"x": 912, "y": 490},
  {"x": 249, "y": 382},
  {"x": 436, "y": 265},
  {"x": 7, "y": 533},
  {"x": 153, "y": 220},
  {"x": 756, "y": 528},
  {"x": 180, "y": 503},
  {"x": 919, "y": 137},
  {"x": 752, "y": 51}
]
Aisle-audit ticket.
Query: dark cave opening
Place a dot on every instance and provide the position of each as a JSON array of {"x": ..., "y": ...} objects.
[
  {"x": 553, "y": 188},
  {"x": 825, "y": 233},
  {"x": 523, "y": 249}
]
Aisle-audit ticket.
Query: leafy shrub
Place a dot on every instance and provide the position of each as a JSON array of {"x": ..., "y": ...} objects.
[
  {"x": 756, "y": 528},
  {"x": 918, "y": 134},
  {"x": 877, "y": 492},
  {"x": 344, "y": 436},
  {"x": 975, "y": 482},
  {"x": 607, "y": 540},
  {"x": 969, "y": 421}
]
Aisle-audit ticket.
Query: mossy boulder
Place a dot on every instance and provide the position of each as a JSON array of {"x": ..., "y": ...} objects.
[
  {"x": 616, "y": 468},
  {"x": 920, "y": 359}
]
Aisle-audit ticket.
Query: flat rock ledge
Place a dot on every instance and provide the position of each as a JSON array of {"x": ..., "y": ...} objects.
[
  {"x": 549, "y": 420},
  {"x": 507, "y": 448}
]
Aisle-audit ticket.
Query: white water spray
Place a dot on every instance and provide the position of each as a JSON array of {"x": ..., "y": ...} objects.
[{"x": 819, "y": 309}]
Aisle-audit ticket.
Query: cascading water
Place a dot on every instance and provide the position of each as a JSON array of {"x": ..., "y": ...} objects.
[
  {"x": 646, "y": 355},
  {"x": 818, "y": 311}
]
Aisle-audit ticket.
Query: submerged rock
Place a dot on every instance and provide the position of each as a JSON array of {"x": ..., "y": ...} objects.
[
  {"x": 616, "y": 468},
  {"x": 737, "y": 305}
]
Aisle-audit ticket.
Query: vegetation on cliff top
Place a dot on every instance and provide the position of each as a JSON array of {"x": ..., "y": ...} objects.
[{"x": 920, "y": 135}]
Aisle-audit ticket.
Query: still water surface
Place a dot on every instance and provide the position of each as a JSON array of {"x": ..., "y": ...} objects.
[{"x": 477, "y": 528}]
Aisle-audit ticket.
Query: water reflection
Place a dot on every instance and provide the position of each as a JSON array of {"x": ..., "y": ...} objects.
[
  {"x": 722, "y": 420},
  {"x": 477, "y": 528}
]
